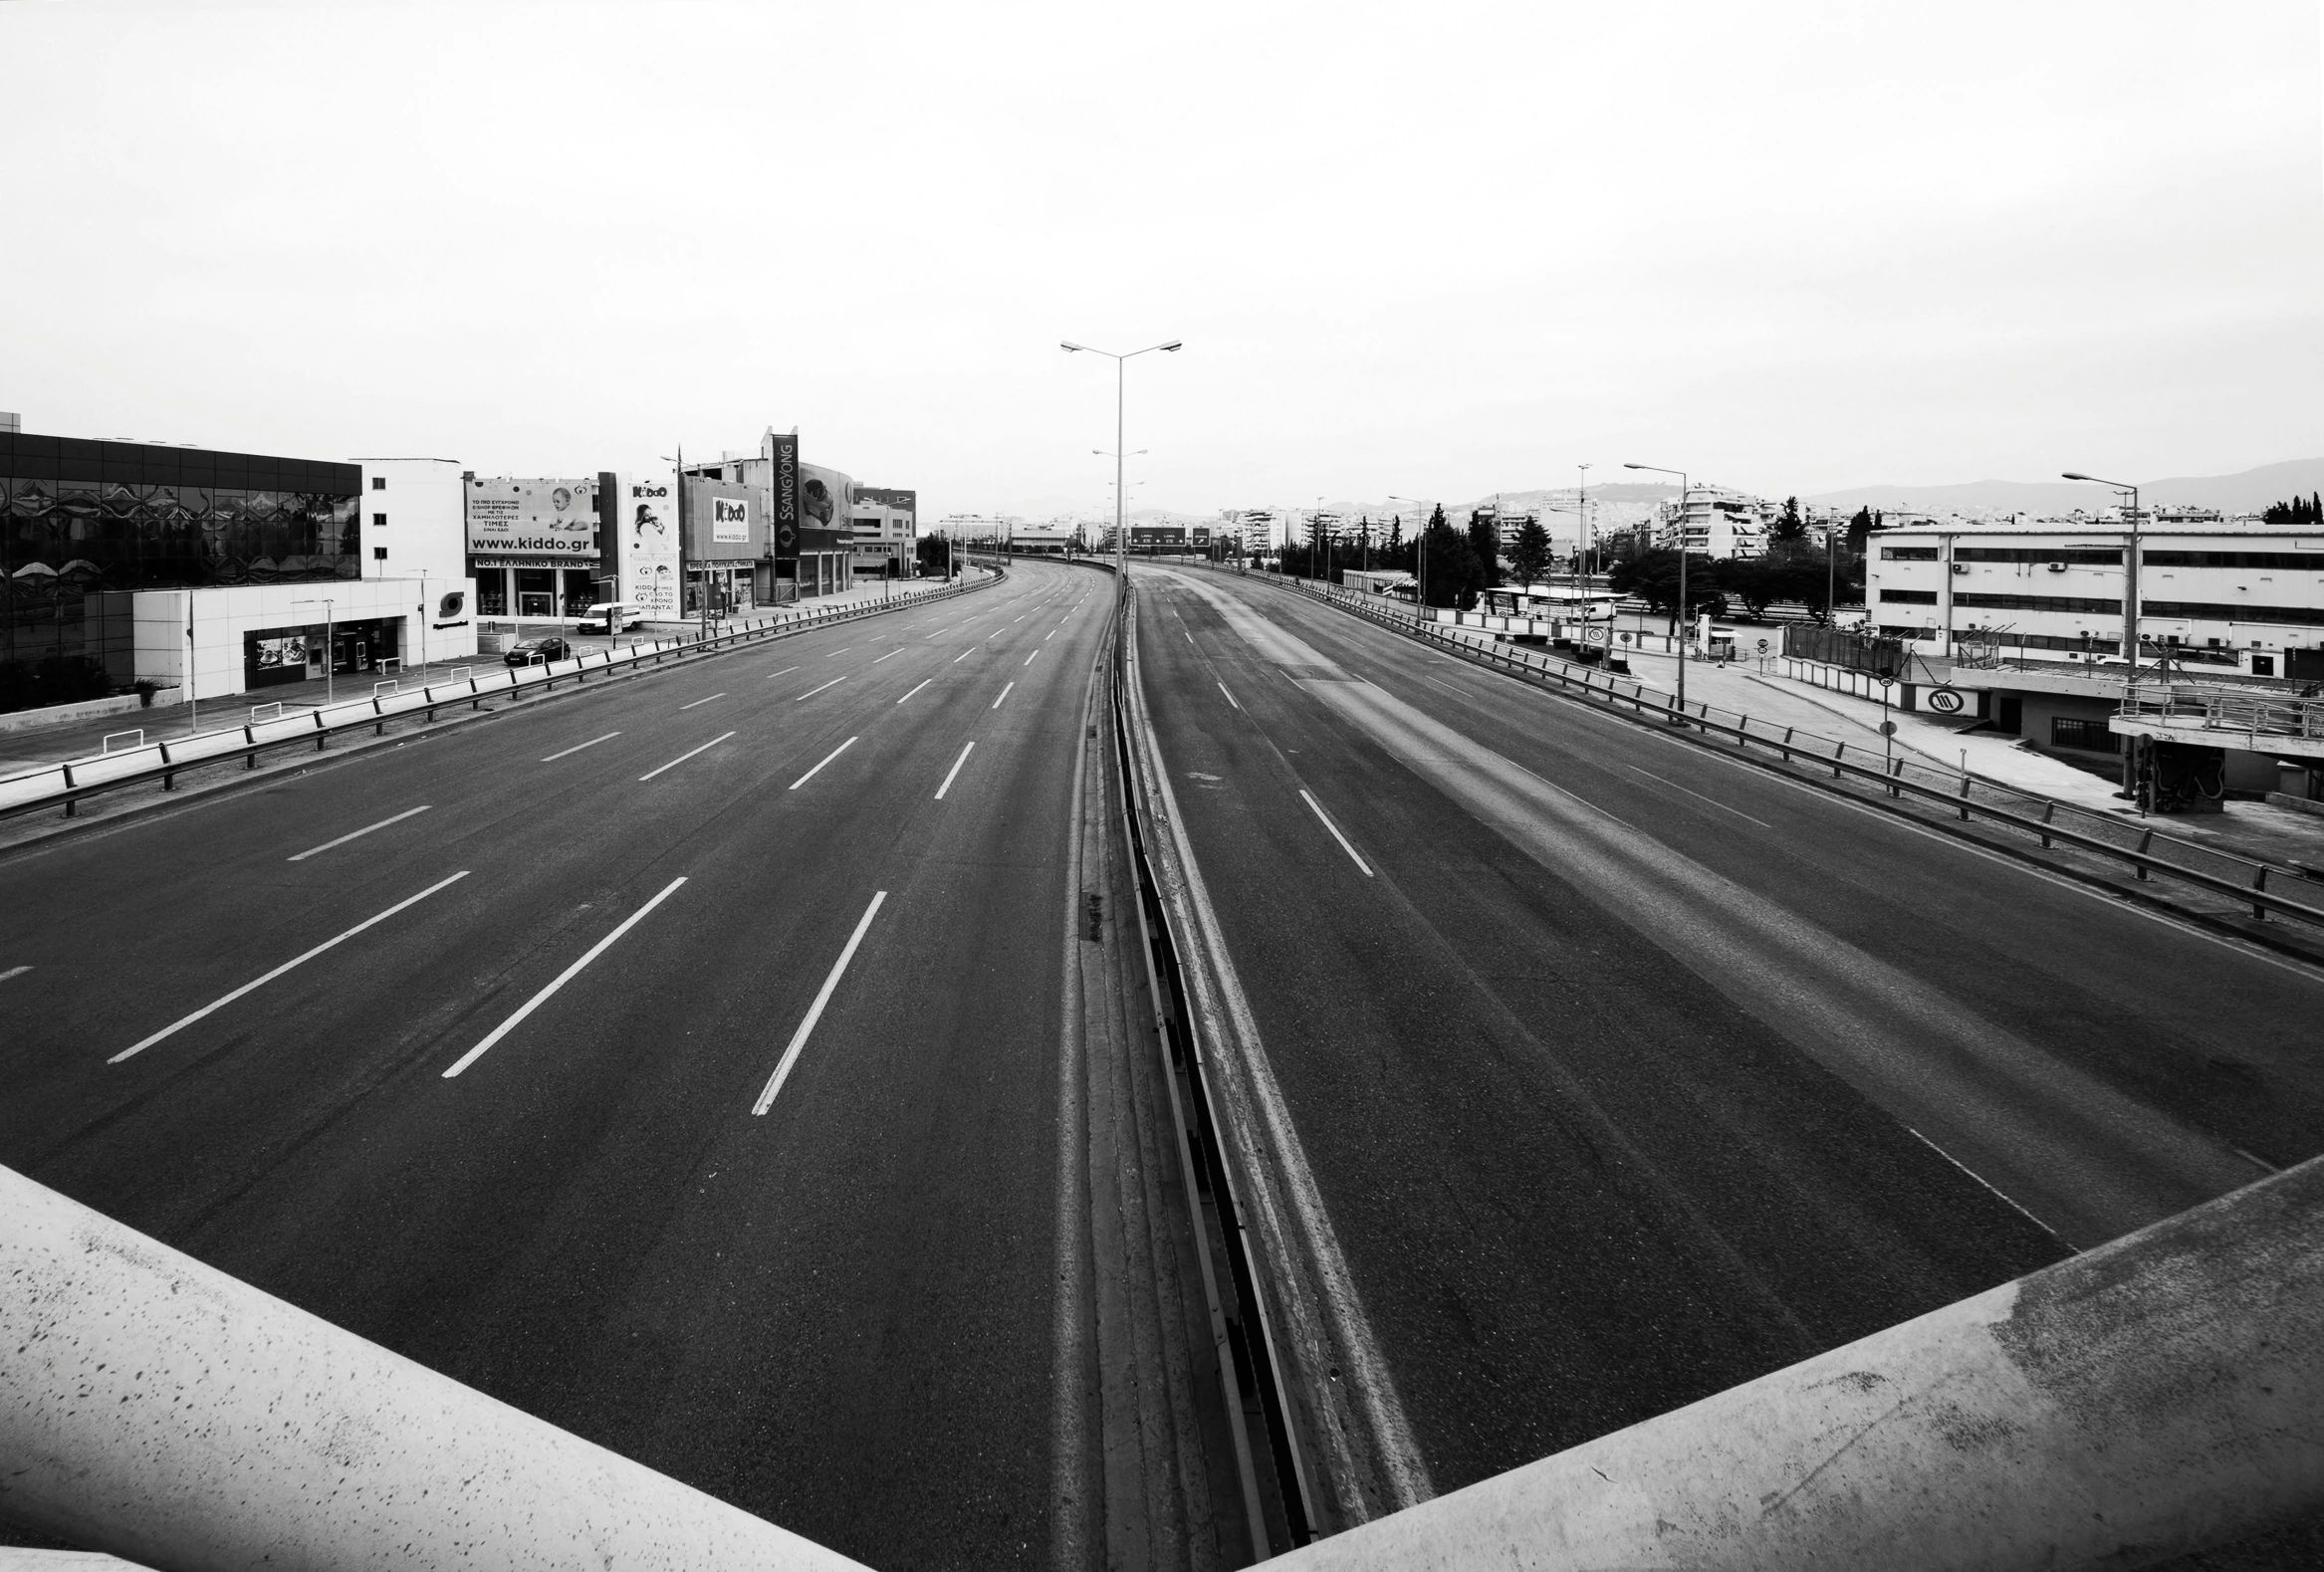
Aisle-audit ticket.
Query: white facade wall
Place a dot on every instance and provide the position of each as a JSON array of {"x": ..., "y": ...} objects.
[
  {"x": 423, "y": 505},
  {"x": 2262, "y": 595},
  {"x": 220, "y": 618}
]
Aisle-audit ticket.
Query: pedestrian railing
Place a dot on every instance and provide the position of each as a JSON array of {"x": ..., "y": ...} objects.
[
  {"x": 2254, "y": 714},
  {"x": 2266, "y": 888},
  {"x": 67, "y": 784}
]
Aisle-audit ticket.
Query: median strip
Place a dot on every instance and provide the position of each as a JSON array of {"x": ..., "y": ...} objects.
[
  {"x": 814, "y": 1012},
  {"x": 220, "y": 1003},
  {"x": 682, "y": 758},
  {"x": 827, "y": 758},
  {"x": 358, "y": 834},
  {"x": 563, "y": 978}
]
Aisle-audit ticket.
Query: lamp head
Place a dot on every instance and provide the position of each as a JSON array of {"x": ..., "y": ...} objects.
[
  {"x": 1173, "y": 347},
  {"x": 2077, "y": 475},
  {"x": 1069, "y": 346},
  {"x": 1634, "y": 466}
]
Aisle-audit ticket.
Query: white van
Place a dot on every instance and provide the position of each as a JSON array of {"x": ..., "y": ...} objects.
[{"x": 609, "y": 616}]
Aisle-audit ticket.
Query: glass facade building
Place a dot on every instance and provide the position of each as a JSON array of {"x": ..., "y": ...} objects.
[{"x": 82, "y": 523}]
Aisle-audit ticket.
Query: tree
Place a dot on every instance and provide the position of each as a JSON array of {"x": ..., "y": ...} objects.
[
  {"x": 1529, "y": 554},
  {"x": 1484, "y": 541},
  {"x": 1859, "y": 527},
  {"x": 1790, "y": 525},
  {"x": 1653, "y": 576},
  {"x": 1455, "y": 575},
  {"x": 2301, "y": 513},
  {"x": 1755, "y": 581},
  {"x": 1395, "y": 533}
]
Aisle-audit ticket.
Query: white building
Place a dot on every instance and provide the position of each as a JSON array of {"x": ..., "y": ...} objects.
[
  {"x": 1715, "y": 522},
  {"x": 414, "y": 518},
  {"x": 2234, "y": 596},
  {"x": 886, "y": 529}
]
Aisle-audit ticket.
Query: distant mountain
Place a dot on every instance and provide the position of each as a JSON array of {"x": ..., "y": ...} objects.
[{"x": 2250, "y": 491}]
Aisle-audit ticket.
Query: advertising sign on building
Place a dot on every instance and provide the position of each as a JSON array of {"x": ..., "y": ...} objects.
[
  {"x": 649, "y": 547},
  {"x": 534, "y": 518},
  {"x": 783, "y": 493},
  {"x": 730, "y": 519}
]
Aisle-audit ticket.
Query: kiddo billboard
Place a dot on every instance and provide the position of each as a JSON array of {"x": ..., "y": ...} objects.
[{"x": 648, "y": 527}]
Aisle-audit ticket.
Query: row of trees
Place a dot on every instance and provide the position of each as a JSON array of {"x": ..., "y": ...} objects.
[
  {"x": 2301, "y": 513},
  {"x": 1791, "y": 572}
]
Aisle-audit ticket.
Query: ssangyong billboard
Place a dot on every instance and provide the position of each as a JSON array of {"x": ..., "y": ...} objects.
[
  {"x": 548, "y": 517},
  {"x": 649, "y": 546}
]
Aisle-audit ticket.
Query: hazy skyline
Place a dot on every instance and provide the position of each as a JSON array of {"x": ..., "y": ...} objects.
[{"x": 1436, "y": 250}]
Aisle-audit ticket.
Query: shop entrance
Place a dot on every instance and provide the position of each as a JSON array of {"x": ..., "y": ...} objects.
[{"x": 536, "y": 591}]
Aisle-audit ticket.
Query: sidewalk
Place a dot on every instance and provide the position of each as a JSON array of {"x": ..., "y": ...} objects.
[
  {"x": 46, "y": 744},
  {"x": 2252, "y": 830}
]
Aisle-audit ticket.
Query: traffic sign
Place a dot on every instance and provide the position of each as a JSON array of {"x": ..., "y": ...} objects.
[
  {"x": 1945, "y": 701},
  {"x": 1888, "y": 727}
]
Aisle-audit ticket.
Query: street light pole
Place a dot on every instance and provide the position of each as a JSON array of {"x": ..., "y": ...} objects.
[
  {"x": 2130, "y": 570},
  {"x": 1589, "y": 539},
  {"x": 1682, "y": 650},
  {"x": 1121, "y": 560}
]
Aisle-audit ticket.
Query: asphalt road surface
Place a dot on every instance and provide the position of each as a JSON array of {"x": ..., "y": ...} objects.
[
  {"x": 614, "y": 916},
  {"x": 1626, "y": 1072}
]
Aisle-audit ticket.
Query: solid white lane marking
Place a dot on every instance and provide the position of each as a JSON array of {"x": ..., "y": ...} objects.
[
  {"x": 827, "y": 758},
  {"x": 14, "y": 971},
  {"x": 685, "y": 707},
  {"x": 358, "y": 834},
  {"x": 1029, "y": 658},
  {"x": 1335, "y": 834},
  {"x": 954, "y": 771},
  {"x": 1980, "y": 1179},
  {"x": 890, "y": 655},
  {"x": 682, "y": 758},
  {"x": 578, "y": 747},
  {"x": 563, "y": 978},
  {"x": 812, "y": 692},
  {"x": 179, "y": 1026},
  {"x": 785, "y": 672},
  {"x": 1229, "y": 696},
  {"x": 964, "y": 654},
  {"x": 916, "y": 689},
  {"x": 1004, "y": 695},
  {"x": 1713, "y": 801},
  {"x": 814, "y": 1012}
]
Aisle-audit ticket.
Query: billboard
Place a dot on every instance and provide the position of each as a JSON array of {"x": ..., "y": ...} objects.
[
  {"x": 730, "y": 519},
  {"x": 783, "y": 495},
  {"x": 549, "y": 518},
  {"x": 648, "y": 526}
]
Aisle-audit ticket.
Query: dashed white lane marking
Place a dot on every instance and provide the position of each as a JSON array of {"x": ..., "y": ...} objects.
[
  {"x": 14, "y": 971},
  {"x": 827, "y": 758},
  {"x": 954, "y": 771},
  {"x": 217, "y": 1005},
  {"x": 814, "y": 1012},
  {"x": 890, "y": 655},
  {"x": 578, "y": 747},
  {"x": 812, "y": 692},
  {"x": 685, "y": 707},
  {"x": 1029, "y": 658},
  {"x": 964, "y": 654},
  {"x": 1980, "y": 1179},
  {"x": 563, "y": 978},
  {"x": 682, "y": 758},
  {"x": 358, "y": 834},
  {"x": 1335, "y": 834},
  {"x": 1229, "y": 696},
  {"x": 785, "y": 672},
  {"x": 916, "y": 689},
  {"x": 1004, "y": 695},
  {"x": 1691, "y": 791},
  {"x": 841, "y": 650}
]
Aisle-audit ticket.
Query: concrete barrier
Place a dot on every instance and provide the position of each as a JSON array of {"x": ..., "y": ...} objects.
[
  {"x": 2157, "y": 1395},
  {"x": 160, "y": 1411}
]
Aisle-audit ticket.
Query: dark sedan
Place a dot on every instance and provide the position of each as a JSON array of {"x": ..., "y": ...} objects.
[{"x": 533, "y": 651}]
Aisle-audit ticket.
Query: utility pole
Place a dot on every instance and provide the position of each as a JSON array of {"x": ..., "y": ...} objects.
[{"x": 1589, "y": 540}]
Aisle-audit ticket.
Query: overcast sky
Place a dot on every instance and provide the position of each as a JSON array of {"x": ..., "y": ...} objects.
[{"x": 1426, "y": 248}]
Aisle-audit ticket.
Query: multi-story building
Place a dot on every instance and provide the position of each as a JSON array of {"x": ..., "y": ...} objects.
[
  {"x": 888, "y": 531},
  {"x": 214, "y": 572},
  {"x": 1715, "y": 522},
  {"x": 2237, "y": 596}
]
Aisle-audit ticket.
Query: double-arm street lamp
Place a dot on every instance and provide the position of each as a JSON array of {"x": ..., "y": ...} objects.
[
  {"x": 1120, "y": 493},
  {"x": 2130, "y": 569},
  {"x": 1682, "y": 475}
]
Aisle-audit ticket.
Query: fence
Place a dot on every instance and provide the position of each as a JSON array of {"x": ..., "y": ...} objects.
[
  {"x": 67, "y": 784},
  {"x": 2254, "y": 714},
  {"x": 2259, "y": 886}
]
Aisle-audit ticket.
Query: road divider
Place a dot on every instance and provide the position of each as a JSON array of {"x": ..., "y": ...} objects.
[
  {"x": 255, "y": 984},
  {"x": 682, "y": 758},
  {"x": 814, "y": 1012},
  {"x": 358, "y": 834},
  {"x": 578, "y": 747},
  {"x": 954, "y": 771},
  {"x": 827, "y": 758},
  {"x": 563, "y": 978}
]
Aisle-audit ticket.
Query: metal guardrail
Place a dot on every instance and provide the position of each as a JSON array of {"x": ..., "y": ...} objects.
[
  {"x": 2148, "y": 851},
  {"x": 2254, "y": 715},
  {"x": 67, "y": 784}
]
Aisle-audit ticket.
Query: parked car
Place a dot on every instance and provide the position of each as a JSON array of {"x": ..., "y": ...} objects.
[
  {"x": 609, "y": 616},
  {"x": 528, "y": 651}
]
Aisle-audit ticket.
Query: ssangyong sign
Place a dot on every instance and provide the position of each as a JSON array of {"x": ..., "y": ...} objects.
[
  {"x": 546, "y": 517},
  {"x": 783, "y": 497}
]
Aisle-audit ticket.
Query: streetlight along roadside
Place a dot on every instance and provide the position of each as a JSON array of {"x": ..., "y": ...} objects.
[
  {"x": 2130, "y": 608},
  {"x": 1120, "y": 494},
  {"x": 1682, "y": 616}
]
